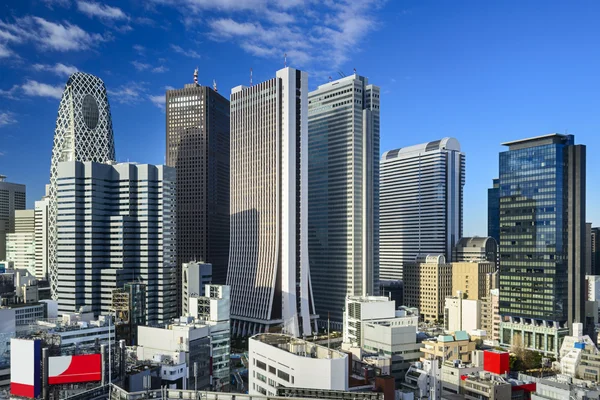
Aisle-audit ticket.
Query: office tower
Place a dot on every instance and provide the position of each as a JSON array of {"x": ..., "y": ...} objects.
[
  {"x": 20, "y": 244},
  {"x": 198, "y": 149},
  {"x": 268, "y": 259},
  {"x": 472, "y": 278},
  {"x": 542, "y": 240},
  {"x": 588, "y": 248},
  {"x": 116, "y": 224},
  {"x": 494, "y": 210},
  {"x": 12, "y": 197},
  {"x": 129, "y": 306},
  {"x": 343, "y": 192},
  {"x": 595, "y": 242},
  {"x": 83, "y": 133},
  {"x": 41, "y": 237},
  {"x": 194, "y": 277},
  {"x": 421, "y": 203},
  {"x": 427, "y": 283},
  {"x": 471, "y": 249}
]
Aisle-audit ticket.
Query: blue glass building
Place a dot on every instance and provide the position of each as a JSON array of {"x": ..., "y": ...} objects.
[
  {"x": 542, "y": 240},
  {"x": 494, "y": 210}
]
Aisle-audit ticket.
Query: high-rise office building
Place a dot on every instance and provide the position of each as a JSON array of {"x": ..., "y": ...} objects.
[
  {"x": 595, "y": 239},
  {"x": 83, "y": 133},
  {"x": 269, "y": 270},
  {"x": 116, "y": 224},
  {"x": 421, "y": 202},
  {"x": 198, "y": 149},
  {"x": 542, "y": 240},
  {"x": 20, "y": 244},
  {"x": 427, "y": 283},
  {"x": 494, "y": 210},
  {"x": 41, "y": 237},
  {"x": 12, "y": 197},
  {"x": 343, "y": 192}
]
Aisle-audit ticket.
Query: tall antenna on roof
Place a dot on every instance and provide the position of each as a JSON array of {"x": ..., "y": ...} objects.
[
  {"x": 215, "y": 86},
  {"x": 196, "y": 76},
  {"x": 284, "y": 60},
  {"x": 250, "y": 77}
]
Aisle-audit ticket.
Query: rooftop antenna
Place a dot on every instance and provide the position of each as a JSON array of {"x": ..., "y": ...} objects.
[
  {"x": 215, "y": 86},
  {"x": 284, "y": 60},
  {"x": 354, "y": 71},
  {"x": 196, "y": 76},
  {"x": 250, "y": 77},
  {"x": 329, "y": 78}
]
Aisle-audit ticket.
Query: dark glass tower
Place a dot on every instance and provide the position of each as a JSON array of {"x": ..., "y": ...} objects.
[
  {"x": 198, "y": 148},
  {"x": 595, "y": 251},
  {"x": 494, "y": 210},
  {"x": 542, "y": 236}
]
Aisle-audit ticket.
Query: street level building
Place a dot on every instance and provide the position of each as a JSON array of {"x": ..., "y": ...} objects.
[
  {"x": 421, "y": 202},
  {"x": 269, "y": 270},
  {"x": 343, "y": 169}
]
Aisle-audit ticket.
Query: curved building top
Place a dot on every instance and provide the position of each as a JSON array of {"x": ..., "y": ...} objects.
[{"x": 447, "y": 143}]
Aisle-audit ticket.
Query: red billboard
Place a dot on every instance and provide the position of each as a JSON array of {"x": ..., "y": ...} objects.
[
  {"x": 73, "y": 369},
  {"x": 496, "y": 361}
]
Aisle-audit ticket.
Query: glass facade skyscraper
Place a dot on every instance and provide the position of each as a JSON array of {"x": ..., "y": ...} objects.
[
  {"x": 542, "y": 238},
  {"x": 494, "y": 210}
]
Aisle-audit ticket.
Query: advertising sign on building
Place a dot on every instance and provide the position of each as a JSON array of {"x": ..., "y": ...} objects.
[
  {"x": 25, "y": 367},
  {"x": 73, "y": 369}
]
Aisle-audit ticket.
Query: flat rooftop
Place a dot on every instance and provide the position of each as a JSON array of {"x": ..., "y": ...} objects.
[{"x": 296, "y": 346}]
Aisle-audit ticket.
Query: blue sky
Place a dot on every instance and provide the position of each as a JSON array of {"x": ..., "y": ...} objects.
[{"x": 483, "y": 72}]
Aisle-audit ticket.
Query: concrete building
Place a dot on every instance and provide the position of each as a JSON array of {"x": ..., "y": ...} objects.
[
  {"x": 542, "y": 278},
  {"x": 41, "y": 237},
  {"x": 343, "y": 168},
  {"x": 361, "y": 309},
  {"x": 593, "y": 287},
  {"x": 269, "y": 270},
  {"x": 457, "y": 346},
  {"x": 282, "y": 360},
  {"x": 421, "y": 202},
  {"x": 490, "y": 316},
  {"x": 472, "y": 279},
  {"x": 20, "y": 244},
  {"x": 83, "y": 133},
  {"x": 462, "y": 314},
  {"x": 197, "y": 147},
  {"x": 12, "y": 198},
  {"x": 476, "y": 249},
  {"x": 132, "y": 220},
  {"x": 194, "y": 277},
  {"x": 427, "y": 283}
]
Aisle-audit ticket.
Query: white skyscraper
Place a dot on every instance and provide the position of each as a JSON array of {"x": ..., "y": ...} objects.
[
  {"x": 343, "y": 192},
  {"x": 116, "y": 224},
  {"x": 41, "y": 237},
  {"x": 421, "y": 202},
  {"x": 83, "y": 133},
  {"x": 268, "y": 258}
]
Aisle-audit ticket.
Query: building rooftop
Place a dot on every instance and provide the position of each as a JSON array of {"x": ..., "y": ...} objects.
[
  {"x": 446, "y": 143},
  {"x": 297, "y": 346},
  {"x": 550, "y": 138},
  {"x": 369, "y": 299},
  {"x": 475, "y": 241}
]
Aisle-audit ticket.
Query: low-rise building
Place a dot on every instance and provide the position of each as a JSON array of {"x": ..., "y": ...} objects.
[
  {"x": 194, "y": 277},
  {"x": 457, "y": 346},
  {"x": 280, "y": 360},
  {"x": 461, "y": 314},
  {"x": 490, "y": 316}
]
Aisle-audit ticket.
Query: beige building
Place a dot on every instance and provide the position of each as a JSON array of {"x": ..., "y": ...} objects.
[
  {"x": 490, "y": 315},
  {"x": 449, "y": 347},
  {"x": 471, "y": 278},
  {"x": 427, "y": 283}
]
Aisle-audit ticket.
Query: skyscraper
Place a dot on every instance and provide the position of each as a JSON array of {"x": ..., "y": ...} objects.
[
  {"x": 595, "y": 239},
  {"x": 343, "y": 192},
  {"x": 83, "y": 133},
  {"x": 20, "y": 244},
  {"x": 268, "y": 260},
  {"x": 542, "y": 240},
  {"x": 116, "y": 224},
  {"x": 12, "y": 197},
  {"x": 421, "y": 203},
  {"x": 494, "y": 210},
  {"x": 41, "y": 237},
  {"x": 198, "y": 149}
]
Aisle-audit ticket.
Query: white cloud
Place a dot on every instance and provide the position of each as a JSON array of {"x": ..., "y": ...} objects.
[
  {"x": 58, "y": 69},
  {"x": 4, "y": 51},
  {"x": 139, "y": 49},
  {"x": 61, "y": 3},
  {"x": 169, "y": 87},
  {"x": 37, "y": 89},
  {"x": 158, "y": 101},
  {"x": 130, "y": 93},
  {"x": 101, "y": 11},
  {"x": 187, "y": 53},
  {"x": 6, "y": 118},
  {"x": 160, "y": 69},
  {"x": 140, "y": 66},
  {"x": 278, "y": 17}
]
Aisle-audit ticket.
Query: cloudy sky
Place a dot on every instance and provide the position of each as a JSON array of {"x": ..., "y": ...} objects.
[{"x": 483, "y": 72}]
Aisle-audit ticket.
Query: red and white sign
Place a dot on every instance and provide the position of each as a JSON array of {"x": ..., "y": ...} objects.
[
  {"x": 25, "y": 367},
  {"x": 72, "y": 369}
]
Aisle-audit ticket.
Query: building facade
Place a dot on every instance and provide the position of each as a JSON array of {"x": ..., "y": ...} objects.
[
  {"x": 343, "y": 169},
  {"x": 194, "y": 276},
  {"x": 269, "y": 271},
  {"x": 12, "y": 198},
  {"x": 494, "y": 210},
  {"x": 462, "y": 314},
  {"x": 198, "y": 148},
  {"x": 83, "y": 133},
  {"x": 542, "y": 240},
  {"x": 20, "y": 244},
  {"x": 421, "y": 203},
  {"x": 490, "y": 316},
  {"x": 472, "y": 278},
  {"x": 427, "y": 283},
  {"x": 595, "y": 239},
  {"x": 475, "y": 249},
  {"x": 41, "y": 237},
  {"x": 126, "y": 234}
]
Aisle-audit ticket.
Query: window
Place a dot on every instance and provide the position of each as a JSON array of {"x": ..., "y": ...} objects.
[
  {"x": 283, "y": 375},
  {"x": 272, "y": 370},
  {"x": 261, "y": 365}
]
